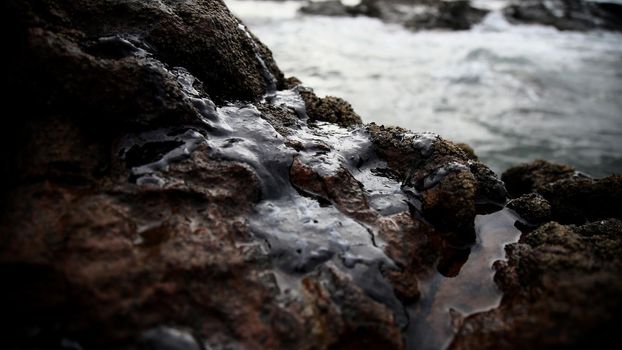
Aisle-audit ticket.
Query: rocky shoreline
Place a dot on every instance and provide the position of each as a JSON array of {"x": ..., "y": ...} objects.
[
  {"x": 579, "y": 15},
  {"x": 166, "y": 187}
]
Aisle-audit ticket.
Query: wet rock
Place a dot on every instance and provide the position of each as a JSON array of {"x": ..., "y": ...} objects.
[
  {"x": 435, "y": 170},
  {"x": 165, "y": 338},
  {"x": 130, "y": 182},
  {"x": 340, "y": 188},
  {"x": 531, "y": 207},
  {"x": 345, "y": 307},
  {"x": 139, "y": 196},
  {"x": 573, "y": 197},
  {"x": 160, "y": 161},
  {"x": 566, "y": 14},
  {"x": 561, "y": 289},
  {"x": 330, "y": 109}
]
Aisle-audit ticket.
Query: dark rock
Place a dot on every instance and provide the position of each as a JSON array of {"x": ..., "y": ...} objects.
[
  {"x": 135, "y": 176},
  {"x": 573, "y": 197},
  {"x": 124, "y": 225},
  {"x": 331, "y": 109},
  {"x": 581, "y": 199},
  {"x": 561, "y": 290},
  {"x": 202, "y": 37},
  {"x": 165, "y": 187},
  {"x": 416, "y": 15},
  {"x": 326, "y": 8},
  {"x": 470, "y": 152},
  {"x": 453, "y": 15},
  {"x": 566, "y": 14},
  {"x": 531, "y": 207},
  {"x": 447, "y": 181},
  {"x": 531, "y": 177}
]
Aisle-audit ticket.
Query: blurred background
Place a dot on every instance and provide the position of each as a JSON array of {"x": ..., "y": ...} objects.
[{"x": 516, "y": 80}]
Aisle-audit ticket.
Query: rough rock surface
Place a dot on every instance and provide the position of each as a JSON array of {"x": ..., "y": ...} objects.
[
  {"x": 330, "y": 109},
  {"x": 573, "y": 197},
  {"x": 532, "y": 177},
  {"x": 531, "y": 207},
  {"x": 449, "y": 182},
  {"x": 161, "y": 161},
  {"x": 562, "y": 289},
  {"x": 166, "y": 187},
  {"x": 561, "y": 283}
]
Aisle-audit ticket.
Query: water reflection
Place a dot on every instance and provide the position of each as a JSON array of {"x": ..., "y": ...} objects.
[{"x": 460, "y": 290}]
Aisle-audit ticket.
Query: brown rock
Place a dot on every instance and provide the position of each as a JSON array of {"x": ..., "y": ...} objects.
[
  {"x": 580, "y": 199},
  {"x": 561, "y": 289},
  {"x": 447, "y": 181},
  {"x": 100, "y": 255},
  {"x": 573, "y": 197},
  {"x": 533, "y": 176},
  {"x": 531, "y": 207},
  {"x": 330, "y": 109}
]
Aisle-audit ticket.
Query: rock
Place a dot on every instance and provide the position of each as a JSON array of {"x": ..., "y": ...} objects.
[
  {"x": 330, "y": 109},
  {"x": 326, "y": 8},
  {"x": 460, "y": 15},
  {"x": 166, "y": 187},
  {"x": 531, "y": 207},
  {"x": 453, "y": 15},
  {"x": 435, "y": 170},
  {"x": 470, "y": 152},
  {"x": 531, "y": 177},
  {"x": 416, "y": 15},
  {"x": 162, "y": 162},
  {"x": 581, "y": 199},
  {"x": 127, "y": 199},
  {"x": 566, "y": 14},
  {"x": 573, "y": 197},
  {"x": 561, "y": 289}
]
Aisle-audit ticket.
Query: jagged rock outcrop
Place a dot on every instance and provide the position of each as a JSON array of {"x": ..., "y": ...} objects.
[
  {"x": 561, "y": 282},
  {"x": 574, "y": 198},
  {"x": 166, "y": 187},
  {"x": 561, "y": 287}
]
